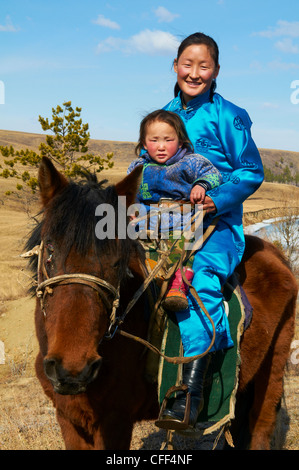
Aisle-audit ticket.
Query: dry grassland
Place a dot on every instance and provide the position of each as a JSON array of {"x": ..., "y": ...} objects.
[{"x": 27, "y": 418}]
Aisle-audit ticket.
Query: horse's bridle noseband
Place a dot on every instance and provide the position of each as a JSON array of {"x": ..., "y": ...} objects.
[{"x": 100, "y": 285}]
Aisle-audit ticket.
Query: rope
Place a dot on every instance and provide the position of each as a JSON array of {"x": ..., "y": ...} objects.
[{"x": 178, "y": 265}]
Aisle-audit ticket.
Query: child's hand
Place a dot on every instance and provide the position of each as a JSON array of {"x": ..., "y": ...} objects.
[{"x": 197, "y": 194}]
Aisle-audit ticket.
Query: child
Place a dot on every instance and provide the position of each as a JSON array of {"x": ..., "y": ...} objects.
[{"x": 171, "y": 170}]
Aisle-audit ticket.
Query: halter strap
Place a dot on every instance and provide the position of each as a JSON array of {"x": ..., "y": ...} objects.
[{"x": 96, "y": 283}]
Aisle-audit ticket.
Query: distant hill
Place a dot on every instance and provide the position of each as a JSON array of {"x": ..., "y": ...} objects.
[
  {"x": 123, "y": 152},
  {"x": 276, "y": 160}
]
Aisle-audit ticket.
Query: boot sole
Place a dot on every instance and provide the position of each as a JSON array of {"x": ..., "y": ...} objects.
[
  {"x": 175, "y": 304},
  {"x": 172, "y": 425}
]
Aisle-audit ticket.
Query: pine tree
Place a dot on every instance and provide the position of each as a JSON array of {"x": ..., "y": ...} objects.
[{"x": 67, "y": 147}]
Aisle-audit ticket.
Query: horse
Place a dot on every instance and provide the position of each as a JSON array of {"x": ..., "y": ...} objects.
[{"x": 94, "y": 376}]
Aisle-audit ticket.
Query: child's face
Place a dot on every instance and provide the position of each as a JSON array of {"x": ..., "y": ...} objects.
[
  {"x": 161, "y": 141},
  {"x": 195, "y": 71}
]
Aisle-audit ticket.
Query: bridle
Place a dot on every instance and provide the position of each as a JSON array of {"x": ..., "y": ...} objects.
[{"x": 45, "y": 287}]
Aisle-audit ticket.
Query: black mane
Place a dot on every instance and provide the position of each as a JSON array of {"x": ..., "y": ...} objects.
[{"x": 70, "y": 220}]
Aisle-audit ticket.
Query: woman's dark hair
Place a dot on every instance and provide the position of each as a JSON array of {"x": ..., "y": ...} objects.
[
  {"x": 170, "y": 118},
  {"x": 198, "y": 39}
]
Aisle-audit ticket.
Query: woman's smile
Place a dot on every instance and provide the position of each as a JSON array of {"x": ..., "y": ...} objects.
[{"x": 195, "y": 70}]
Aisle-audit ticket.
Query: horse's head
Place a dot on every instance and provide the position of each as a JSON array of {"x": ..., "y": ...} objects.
[{"x": 79, "y": 275}]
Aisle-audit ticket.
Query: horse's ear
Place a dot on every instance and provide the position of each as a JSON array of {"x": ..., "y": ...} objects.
[
  {"x": 51, "y": 181},
  {"x": 129, "y": 185}
]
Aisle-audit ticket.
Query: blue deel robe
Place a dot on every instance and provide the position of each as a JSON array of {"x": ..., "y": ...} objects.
[
  {"x": 172, "y": 180},
  {"x": 220, "y": 131}
]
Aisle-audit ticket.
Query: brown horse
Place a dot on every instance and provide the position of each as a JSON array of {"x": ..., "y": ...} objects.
[{"x": 97, "y": 384}]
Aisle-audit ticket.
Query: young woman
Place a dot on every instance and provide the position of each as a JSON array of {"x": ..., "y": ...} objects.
[
  {"x": 172, "y": 170},
  {"x": 220, "y": 131}
]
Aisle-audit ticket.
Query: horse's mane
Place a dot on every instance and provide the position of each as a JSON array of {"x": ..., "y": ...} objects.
[{"x": 70, "y": 220}]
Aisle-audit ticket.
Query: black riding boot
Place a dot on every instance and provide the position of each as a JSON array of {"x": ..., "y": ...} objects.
[{"x": 193, "y": 377}]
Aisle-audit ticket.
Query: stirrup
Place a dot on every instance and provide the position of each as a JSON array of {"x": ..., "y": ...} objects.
[{"x": 175, "y": 424}]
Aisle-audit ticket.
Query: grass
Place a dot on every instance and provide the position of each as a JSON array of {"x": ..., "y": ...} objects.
[
  {"x": 28, "y": 422},
  {"x": 13, "y": 279},
  {"x": 27, "y": 418}
]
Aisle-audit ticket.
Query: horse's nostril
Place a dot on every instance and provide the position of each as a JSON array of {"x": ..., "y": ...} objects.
[
  {"x": 50, "y": 368},
  {"x": 57, "y": 373},
  {"x": 94, "y": 369}
]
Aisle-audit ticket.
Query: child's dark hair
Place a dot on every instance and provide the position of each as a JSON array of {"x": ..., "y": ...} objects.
[
  {"x": 199, "y": 39},
  {"x": 170, "y": 118}
]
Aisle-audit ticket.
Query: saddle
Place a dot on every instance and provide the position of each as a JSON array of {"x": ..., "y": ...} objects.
[
  {"x": 165, "y": 354},
  {"x": 222, "y": 377},
  {"x": 221, "y": 381}
]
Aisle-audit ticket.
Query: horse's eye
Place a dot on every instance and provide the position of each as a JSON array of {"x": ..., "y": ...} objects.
[
  {"x": 50, "y": 250},
  {"x": 116, "y": 264}
]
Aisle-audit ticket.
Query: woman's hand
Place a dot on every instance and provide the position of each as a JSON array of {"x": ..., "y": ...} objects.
[{"x": 208, "y": 205}]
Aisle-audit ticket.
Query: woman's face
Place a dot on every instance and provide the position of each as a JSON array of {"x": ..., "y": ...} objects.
[{"x": 195, "y": 71}]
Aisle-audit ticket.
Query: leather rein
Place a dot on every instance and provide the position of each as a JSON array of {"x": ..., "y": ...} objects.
[{"x": 45, "y": 288}]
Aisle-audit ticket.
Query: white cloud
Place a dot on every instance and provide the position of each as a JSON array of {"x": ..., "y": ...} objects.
[
  {"x": 153, "y": 42},
  {"x": 102, "y": 21},
  {"x": 269, "y": 105},
  {"x": 284, "y": 66},
  {"x": 111, "y": 44},
  {"x": 283, "y": 28},
  {"x": 164, "y": 15},
  {"x": 146, "y": 42},
  {"x": 8, "y": 27},
  {"x": 286, "y": 45},
  {"x": 287, "y": 30}
]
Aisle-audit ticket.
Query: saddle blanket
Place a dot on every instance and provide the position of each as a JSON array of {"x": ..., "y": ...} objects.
[{"x": 221, "y": 380}]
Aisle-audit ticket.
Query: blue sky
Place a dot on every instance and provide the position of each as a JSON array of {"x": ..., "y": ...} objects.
[{"x": 114, "y": 59}]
